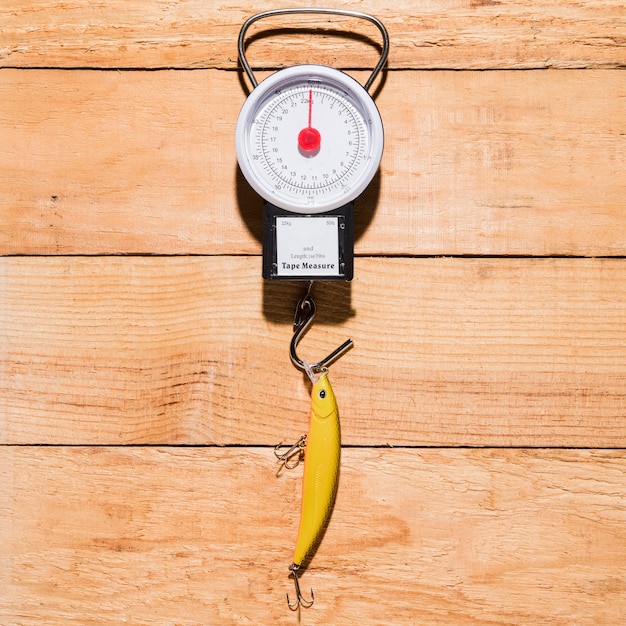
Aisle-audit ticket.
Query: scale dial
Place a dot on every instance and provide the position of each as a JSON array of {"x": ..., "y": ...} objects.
[{"x": 309, "y": 139}]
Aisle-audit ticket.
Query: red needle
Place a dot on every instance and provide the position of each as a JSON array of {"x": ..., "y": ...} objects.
[
  {"x": 309, "y": 138},
  {"x": 310, "y": 106}
]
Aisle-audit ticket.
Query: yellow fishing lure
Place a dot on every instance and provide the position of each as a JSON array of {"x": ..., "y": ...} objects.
[
  {"x": 321, "y": 475},
  {"x": 321, "y": 468}
]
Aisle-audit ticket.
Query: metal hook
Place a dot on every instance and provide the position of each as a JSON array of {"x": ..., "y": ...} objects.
[
  {"x": 296, "y": 450},
  {"x": 305, "y": 312},
  {"x": 300, "y": 599}
]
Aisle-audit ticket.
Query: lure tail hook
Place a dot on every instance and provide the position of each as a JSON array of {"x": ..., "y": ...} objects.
[
  {"x": 300, "y": 600},
  {"x": 305, "y": 312}
]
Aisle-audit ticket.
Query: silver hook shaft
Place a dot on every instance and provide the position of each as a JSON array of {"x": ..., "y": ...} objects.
[
  {"x": 301, "y": 324},
  {"x": 356, "y": 14}
]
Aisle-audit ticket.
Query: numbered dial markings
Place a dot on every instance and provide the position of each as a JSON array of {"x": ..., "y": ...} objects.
[
  {"x": 338, "y": 142},
  {"x": 309, "y": 140}
]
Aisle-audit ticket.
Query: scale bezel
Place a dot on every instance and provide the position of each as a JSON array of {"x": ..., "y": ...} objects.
[{"x": 266, "y": 91}]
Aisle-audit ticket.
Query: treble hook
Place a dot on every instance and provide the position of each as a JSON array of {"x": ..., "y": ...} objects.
[
  {"x": 305, "y": 312},
  {"x": 296, "y": 450},
  {"x": 300, "y": 599}
]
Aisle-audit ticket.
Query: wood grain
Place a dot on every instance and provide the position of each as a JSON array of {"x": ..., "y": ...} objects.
[
  {"x": 524, "y": 163},
  {"x": 473, "y": 34},
  {"x": 140, "y": 396},
  {"x": 153, "y": 536},
  {"x": 522, "y": 352}
]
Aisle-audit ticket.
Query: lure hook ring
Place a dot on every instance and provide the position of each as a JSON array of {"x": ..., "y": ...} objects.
[
  {"x": 356, "y": 14},
  {"x": 305, "y": 312}
]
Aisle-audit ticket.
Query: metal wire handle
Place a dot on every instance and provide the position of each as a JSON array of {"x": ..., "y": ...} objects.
[{"x": 356, "y": 14}]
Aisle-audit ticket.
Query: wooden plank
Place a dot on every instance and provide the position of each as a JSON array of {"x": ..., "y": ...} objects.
[
  {"x": 524, "y": 163},
  {"x": 204, "y": 536},
  {"x": 528, "y": 352},
  {"x": 449, "y": 34}
]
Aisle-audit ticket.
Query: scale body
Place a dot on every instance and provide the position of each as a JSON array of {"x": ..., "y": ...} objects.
[{"x": 309, "y": 140}]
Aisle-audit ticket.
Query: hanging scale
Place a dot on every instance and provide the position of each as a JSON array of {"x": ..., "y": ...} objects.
[{"x": 309, "y": 140}]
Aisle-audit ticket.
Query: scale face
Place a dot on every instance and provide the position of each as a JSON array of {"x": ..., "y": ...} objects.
[{"x": 309, "y": 139}]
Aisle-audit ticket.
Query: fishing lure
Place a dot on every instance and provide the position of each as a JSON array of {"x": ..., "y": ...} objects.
[{"x": 321, "y": 475}]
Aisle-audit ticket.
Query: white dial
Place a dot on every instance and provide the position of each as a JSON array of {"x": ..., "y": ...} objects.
[{"x": 309, "y": 139}]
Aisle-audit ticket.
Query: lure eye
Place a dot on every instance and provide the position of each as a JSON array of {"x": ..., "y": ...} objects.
[{"x": 322, "y": 393}]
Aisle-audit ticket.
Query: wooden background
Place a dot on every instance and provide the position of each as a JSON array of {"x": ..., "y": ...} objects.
[{"x": 144, "y": 374}]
